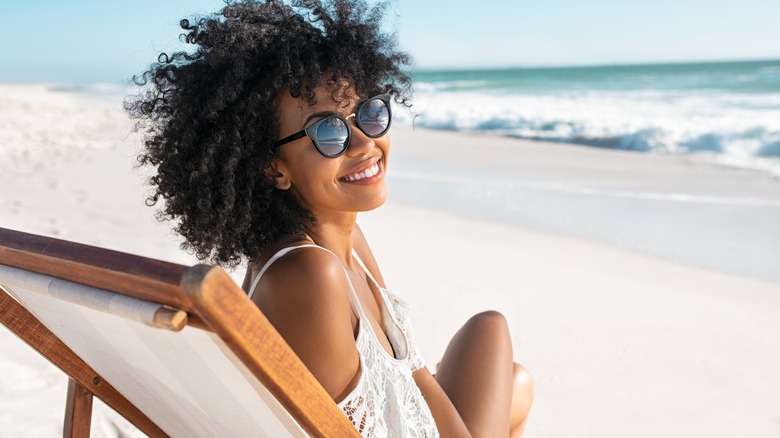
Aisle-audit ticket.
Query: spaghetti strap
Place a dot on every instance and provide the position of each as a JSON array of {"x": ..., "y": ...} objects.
[
  {"x": 385, "y": 380},
  {"x": 279, "y": 254},
  {"x": 363, "y": 265},
  {"x": 282, "y": 252}
]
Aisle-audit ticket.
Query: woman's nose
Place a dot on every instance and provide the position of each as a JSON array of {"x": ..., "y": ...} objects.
[{"x": 359, "y": 143}]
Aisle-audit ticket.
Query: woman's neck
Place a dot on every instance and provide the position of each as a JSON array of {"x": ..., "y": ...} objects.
[{"x": 335, "y": 234}]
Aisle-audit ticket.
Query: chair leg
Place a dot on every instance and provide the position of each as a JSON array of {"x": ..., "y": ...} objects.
[{"x": 78, "y": 411}]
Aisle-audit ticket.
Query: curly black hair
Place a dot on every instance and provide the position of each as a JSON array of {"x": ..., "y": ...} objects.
[{"x": 210, "y": 115}]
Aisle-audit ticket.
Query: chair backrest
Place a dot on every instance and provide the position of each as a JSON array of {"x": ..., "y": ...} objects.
[{"x": 227, "y": 372}]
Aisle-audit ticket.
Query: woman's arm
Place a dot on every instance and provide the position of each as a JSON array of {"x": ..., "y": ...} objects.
[
  {"x": 447, "y": 418},
  {"x": 448, "y": 421},
  {"x": 305, "y": 296}
]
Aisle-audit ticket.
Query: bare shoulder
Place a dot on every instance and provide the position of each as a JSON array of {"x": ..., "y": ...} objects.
[
  {"x": 304, "y": 294},
  {"x": 304, "y": 273}
]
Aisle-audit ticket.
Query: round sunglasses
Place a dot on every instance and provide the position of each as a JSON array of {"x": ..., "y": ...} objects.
[{"x": 331, "y": 134}]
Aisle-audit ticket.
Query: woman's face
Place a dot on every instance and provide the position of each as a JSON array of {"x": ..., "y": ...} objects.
[{"x": 329, "y": 185}]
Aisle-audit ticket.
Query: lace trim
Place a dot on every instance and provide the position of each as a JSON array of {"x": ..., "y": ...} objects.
[
  {"x": 400, "y": 311},
  {"x": 386, "y": 401}
]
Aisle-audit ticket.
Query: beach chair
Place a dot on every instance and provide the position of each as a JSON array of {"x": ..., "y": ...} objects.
[{"x": 178, "y": 351}]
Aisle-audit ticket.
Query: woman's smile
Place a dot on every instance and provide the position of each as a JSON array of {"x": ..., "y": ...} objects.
[{"x": 370, "y": 172}]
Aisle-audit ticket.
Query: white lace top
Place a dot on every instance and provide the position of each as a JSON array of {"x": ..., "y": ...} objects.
[{"x": 386, "y": 401}]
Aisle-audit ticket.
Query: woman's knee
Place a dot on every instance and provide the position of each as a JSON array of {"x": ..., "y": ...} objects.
[
  {"x": 523, "y": 382},
  {"x": 484, "y": 332},
  {"x": 489, "y": 320},
  {"x": 522, "y": 398}
]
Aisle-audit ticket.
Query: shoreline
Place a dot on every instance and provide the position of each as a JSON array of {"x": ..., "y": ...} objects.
[
  {"x": 615, "y": 339},
  {"x": 685, "y": 209},
  {"x": 113, "y": 94}
]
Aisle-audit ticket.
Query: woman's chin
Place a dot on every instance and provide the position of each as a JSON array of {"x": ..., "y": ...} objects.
[
  {"x": 374, "y": 206},
  {"x": 373, "y": 200}
]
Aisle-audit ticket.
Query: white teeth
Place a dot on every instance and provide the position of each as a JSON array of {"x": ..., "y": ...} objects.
[{"x": 371, "y": 171}]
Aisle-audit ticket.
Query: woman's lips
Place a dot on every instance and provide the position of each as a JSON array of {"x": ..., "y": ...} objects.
[{"x": 368, "y": 175}]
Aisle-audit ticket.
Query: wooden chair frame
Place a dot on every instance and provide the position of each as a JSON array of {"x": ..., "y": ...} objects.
[{"x": 212, "y": 302}]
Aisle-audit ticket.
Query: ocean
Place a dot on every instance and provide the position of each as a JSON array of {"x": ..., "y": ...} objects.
[
  {"x": 684, "y": 206},
  {"x": 712, "y": 201},
  {"x": 730, "y": 109}
]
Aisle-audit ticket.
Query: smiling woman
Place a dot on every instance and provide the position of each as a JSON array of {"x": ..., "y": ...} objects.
[
  {"x": 212, "y": 119},
  {"x": 351, "y": 161},
  {"x": 268, "y": 140}
]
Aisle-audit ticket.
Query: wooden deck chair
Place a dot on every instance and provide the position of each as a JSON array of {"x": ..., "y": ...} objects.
[{"x": 177, "y": 351}]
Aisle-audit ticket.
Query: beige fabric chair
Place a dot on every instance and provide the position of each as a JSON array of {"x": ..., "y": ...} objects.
[{"x": 177, "y": 351}]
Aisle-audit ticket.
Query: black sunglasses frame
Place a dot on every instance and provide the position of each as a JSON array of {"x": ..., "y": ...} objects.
[{"x": 311, "y": 130}]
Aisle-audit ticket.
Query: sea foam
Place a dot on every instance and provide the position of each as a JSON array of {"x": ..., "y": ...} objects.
[{"x": 730, "y": 109}]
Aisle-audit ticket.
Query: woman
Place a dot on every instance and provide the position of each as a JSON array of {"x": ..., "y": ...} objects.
[{"x": 268, "y": 140}]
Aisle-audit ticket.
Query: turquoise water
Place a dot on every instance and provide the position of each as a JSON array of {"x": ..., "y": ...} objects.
[
  {"x": 728, "y": 108},
  {"x": 747, "y": 77}
]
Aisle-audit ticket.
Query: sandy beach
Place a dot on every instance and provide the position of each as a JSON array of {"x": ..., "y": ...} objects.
[{"x": 642, "y": 291}]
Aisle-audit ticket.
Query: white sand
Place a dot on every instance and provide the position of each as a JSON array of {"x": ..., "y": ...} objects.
[{"x": 620, "y": 344}]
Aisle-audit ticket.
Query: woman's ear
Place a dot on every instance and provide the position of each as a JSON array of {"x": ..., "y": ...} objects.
[{"x": 277, "y": 174}]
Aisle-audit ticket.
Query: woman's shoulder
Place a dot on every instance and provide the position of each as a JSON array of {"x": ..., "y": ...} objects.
[
  {"x": 305, "y": 272},
  {"x": 305, "y": 295}
]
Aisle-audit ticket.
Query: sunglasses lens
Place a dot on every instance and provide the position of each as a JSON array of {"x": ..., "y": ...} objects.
[
  {"x": 332, "y": 136},
  {"x": 374, "y": 117}
]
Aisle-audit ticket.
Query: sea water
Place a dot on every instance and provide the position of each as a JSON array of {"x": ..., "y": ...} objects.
[
  {"x": 726, "y": 111},
  {"x": 724, "y": 114},
  {"x": 731, "y": 109}
]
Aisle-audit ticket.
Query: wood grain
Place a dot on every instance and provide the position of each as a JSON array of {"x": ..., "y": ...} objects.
[
  {"x": 78, "y": 411},
  {"x": 128, "y": 274}
]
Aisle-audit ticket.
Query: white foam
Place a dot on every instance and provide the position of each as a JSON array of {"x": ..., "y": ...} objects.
[{"x": 657, "y": 121}]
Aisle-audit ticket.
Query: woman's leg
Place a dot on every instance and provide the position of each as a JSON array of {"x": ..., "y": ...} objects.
[
  {"x": 476, "y": 372},
  {"x": 522, "y": 398}
]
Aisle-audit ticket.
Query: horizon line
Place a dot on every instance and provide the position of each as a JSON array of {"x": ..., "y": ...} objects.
[{"x": 594, "y": 65}]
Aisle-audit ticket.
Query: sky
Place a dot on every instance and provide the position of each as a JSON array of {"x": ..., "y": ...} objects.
[{"x": 83, "y": 41}]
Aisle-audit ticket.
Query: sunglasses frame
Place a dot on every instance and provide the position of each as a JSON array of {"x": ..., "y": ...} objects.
[{"x": 311, "y": 130}]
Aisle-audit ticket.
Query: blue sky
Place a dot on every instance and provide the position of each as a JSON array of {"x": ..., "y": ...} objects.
[{"x": 108, "y": 41}]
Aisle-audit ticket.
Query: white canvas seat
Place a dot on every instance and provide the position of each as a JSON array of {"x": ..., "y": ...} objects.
[{"x": 178, "y": 351}]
